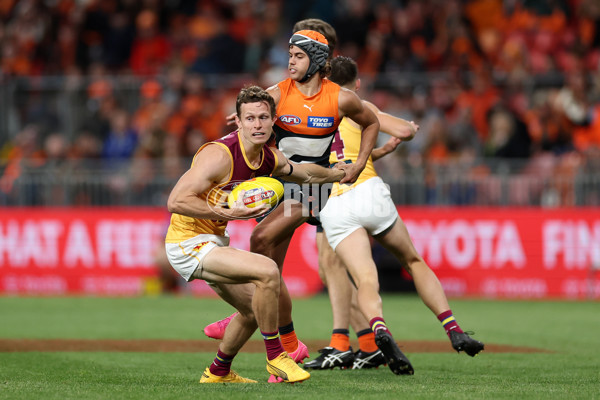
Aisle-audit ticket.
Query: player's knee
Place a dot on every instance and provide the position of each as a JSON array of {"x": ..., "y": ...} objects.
[
  {"x": 269, "y": 275},
  {"x": 414, "y": 262},
  {"x": 258, "y": 241},
  {"x": 368, "y": 284},
  {"x": 273, "y": 273},
  {"x": 246, "y": 316}
]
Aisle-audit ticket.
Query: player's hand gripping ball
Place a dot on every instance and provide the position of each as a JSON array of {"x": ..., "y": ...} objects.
[{"x": 261, "y": 190}]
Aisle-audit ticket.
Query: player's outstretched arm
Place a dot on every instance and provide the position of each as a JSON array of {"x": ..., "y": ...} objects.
[
  {"x": 393, "y": 126},
  {"x": 386, "y": 149},
  {"x": 306, "y": 173}
]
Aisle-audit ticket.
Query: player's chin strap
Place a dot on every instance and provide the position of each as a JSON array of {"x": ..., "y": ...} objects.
[{"x": 317, "y": 53}]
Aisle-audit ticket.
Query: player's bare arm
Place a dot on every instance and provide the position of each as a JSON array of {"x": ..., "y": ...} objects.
[
  {"x": 350, "y": 105},
  {"x": 394, "y": 126},
  {"x": 275, "y": 93},
  {"x": 306, "y": 173},
  {"x": 212, "y": 165},
  {"x": 386, "y": 149}
]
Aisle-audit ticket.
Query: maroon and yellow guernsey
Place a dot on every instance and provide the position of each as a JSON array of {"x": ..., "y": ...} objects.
[{"x": 182, "y": 227}]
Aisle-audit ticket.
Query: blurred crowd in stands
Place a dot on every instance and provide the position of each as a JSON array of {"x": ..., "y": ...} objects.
[{"x": 147, "y": 82}]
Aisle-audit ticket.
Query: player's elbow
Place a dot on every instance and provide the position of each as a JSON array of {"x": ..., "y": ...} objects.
[
  {"x": 174, "y": 205},
  {"x": 375, "y": 125},
  {"x": 404, "y": 133},
  {"x": 408, "y": 135},
  {"x": 410, "y": 131}
]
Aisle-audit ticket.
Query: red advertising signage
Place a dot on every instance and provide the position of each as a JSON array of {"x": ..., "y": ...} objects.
[
  {"x": 110, "y": 251},
  {"x": 491, "y": 252},
  {"x": 510, "y": 252}
]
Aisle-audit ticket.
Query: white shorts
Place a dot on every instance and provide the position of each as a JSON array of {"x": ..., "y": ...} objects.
[
  {"x": 186, "y": 257},
  {"x": 369, "y": 205}
]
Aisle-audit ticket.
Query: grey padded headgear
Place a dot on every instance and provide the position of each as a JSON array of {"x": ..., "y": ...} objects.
[{"x": 317, "y": 53}]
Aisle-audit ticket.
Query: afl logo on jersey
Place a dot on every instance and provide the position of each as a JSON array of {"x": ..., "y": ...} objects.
[{"x": 290, "y": 119}]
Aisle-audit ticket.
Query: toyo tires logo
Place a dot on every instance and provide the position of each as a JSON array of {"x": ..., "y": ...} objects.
[{"x": 320, "y": 122}]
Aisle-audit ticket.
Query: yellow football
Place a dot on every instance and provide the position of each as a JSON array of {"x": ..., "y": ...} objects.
[{"x": 257, "y": 191}]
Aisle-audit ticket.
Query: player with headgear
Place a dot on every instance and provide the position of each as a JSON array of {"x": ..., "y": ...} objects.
[
  {"x": 315, "y": 46},
  {"x": 309, "y": 109}
]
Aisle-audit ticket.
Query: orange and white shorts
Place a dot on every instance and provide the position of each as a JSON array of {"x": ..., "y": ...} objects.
[{"x": 187, "y": 257}]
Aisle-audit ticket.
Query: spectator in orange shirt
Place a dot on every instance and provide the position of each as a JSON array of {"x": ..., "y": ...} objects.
[
  {"x": 480, "y": 98},
  {"x": 152, "y": 112},
  {"x": 150, "y": 50}
]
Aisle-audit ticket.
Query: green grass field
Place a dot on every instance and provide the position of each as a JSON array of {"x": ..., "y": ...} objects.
[{"x": 569, "y": 332}]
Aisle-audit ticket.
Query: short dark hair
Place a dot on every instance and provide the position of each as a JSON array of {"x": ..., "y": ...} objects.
[
  {"x": 324, "y": 28},
  {"x": 343, "y": 70},
  {"x": 254, "y": 94}
]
